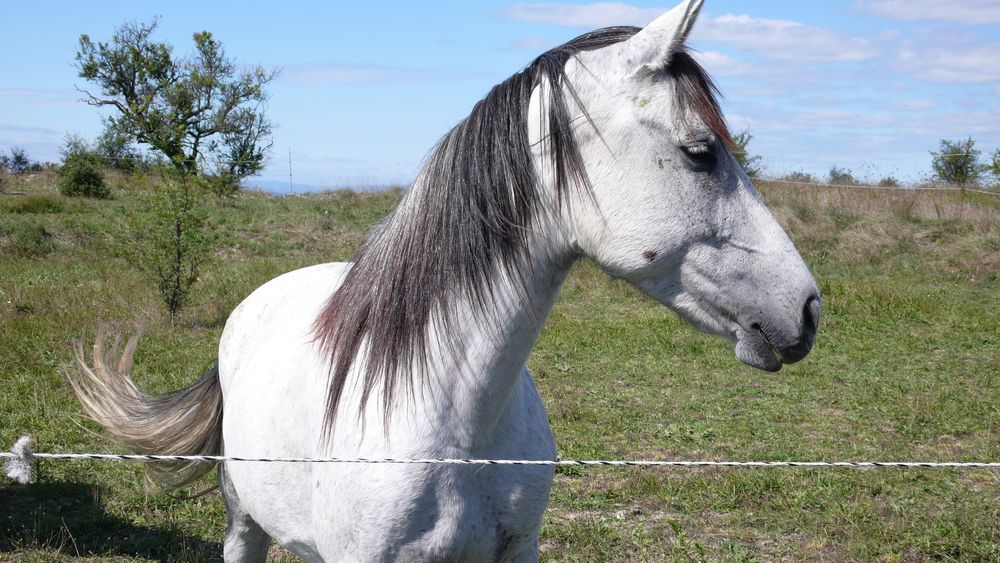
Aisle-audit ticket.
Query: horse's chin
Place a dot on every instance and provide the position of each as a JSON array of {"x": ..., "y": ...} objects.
[{"x": 757, "y": 352}]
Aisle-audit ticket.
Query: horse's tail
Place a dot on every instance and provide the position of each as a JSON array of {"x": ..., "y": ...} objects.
[{"x": 188, "y": 422}]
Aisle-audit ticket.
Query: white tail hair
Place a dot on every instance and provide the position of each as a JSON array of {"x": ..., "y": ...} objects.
[{"x": 187, "y": 422}]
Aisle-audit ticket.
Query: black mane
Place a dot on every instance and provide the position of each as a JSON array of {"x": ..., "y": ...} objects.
[{"x": 469, "y": 211}]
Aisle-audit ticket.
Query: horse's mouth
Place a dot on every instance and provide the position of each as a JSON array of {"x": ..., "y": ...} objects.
[{"x": 756, "y": 350}]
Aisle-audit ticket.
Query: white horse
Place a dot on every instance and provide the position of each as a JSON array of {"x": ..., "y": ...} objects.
[{"x": 610, "y": 147}]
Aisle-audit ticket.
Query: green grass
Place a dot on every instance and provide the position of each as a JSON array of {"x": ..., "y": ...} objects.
[{"x": 907, "y": 366}]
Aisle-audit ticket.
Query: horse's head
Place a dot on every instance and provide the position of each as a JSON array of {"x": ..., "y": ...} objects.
[{"x": 669, "y": 208}]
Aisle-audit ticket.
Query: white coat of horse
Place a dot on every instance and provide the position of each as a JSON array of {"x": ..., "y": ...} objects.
[{"x": 610, "y": 147}]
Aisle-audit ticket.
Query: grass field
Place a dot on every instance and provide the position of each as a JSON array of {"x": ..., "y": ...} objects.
[{"x": 906, "y": 367}]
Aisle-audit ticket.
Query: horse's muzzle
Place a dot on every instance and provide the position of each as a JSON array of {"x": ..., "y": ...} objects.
[{"x": 764, "y": 347}]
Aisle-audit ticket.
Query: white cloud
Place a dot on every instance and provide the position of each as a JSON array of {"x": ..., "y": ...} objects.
[
  {"x": 40, "y": 150},
  {"x": 719, "y": 64},
  {"x": 980, "y": 123},
  {"x": 40, "y": 96},
  {"x": 738, "y": 122},
  {"x": 968, "y": 64},
  {"x": 783, "y": 39},
  {"x": 340, "y": 74},
  {"x": 41, "y": 143},
  {"x": 972, "y": 12},
  {"x": 914, "y": 105},
  {"x": 537, "y": 44},
  {"x": 776, "y": 39},
  {"x": 867, "y": 113},
  {"x": 30, "y": 130},
  {"x": 845, "y": 118},
  {"x": 600, "y": 14}
]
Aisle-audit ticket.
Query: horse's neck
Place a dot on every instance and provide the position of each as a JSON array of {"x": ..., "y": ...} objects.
[{"x": 476, "y": 362}]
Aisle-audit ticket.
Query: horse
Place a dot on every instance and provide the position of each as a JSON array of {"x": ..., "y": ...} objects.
[{"x": 611, "y": 147}]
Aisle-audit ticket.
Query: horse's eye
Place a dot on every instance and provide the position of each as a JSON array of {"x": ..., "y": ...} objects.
[
  {"x": 703, "y": 154},
  {"x": 698, "y": 151}
]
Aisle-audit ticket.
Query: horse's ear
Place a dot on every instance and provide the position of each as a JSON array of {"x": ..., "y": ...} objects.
[{"x": 651, "y": 48}]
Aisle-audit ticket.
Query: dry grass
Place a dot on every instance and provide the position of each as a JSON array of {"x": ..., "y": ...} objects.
[{"x": 946, "y": 230}]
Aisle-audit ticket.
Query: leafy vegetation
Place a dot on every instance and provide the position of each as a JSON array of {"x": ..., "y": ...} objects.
[
  {"x": 889, "y": 182},
  {"x": 993, "y": 167},
  {"x": 82, "y": 172},
  {"x": 191, "y": 110},
  {"x": 17, "y": 162},
  {"x": 116, "y": 149},
  {"x": 957, "y": 162},
  {"x": 800, "y": 177},
  {"x": 906, "y": 366},
  {"x": 750, "y": 162},
  {"x": 841, "y": 177},
  {"x": 172, "y": 239}
]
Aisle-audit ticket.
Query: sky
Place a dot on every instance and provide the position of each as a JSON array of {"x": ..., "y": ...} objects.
[{"x": 366, "y": 89}]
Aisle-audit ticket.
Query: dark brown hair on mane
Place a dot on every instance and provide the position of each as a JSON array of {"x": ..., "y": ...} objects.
[
  {"x": 696, "y": 91},
  {"x": 468, "y": 213}
]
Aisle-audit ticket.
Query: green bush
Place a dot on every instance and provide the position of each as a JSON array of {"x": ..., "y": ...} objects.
[
  {"x": 841, "y": 176},
  {"x": 957, "y": 162},
  {"x": 172, "y": 239},
  {"x": 750, "y": 162},
  {"x": 222, "y": 185},
  {"x": 993, "y": 166},
  {"x": 82, "y": 177},
  {"x": 800, "y": 176},
  {"x": 19, "y": 162}
]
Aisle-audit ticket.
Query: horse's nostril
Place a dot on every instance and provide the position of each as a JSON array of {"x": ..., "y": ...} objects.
[{"x": 811, "y": 314}]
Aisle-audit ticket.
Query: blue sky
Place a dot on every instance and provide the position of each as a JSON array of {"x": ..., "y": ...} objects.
[{"x": 366, "y": 89}]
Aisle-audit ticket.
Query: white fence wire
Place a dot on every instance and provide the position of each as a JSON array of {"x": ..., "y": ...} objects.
[{"x": 21, "y": 457}]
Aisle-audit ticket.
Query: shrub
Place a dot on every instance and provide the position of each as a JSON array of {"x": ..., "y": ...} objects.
[
  {"x": 82, "y": 176},
  {"x": 841, "y": 176},
  {"x": 957, "y": 162},
  {"x": 116, "y": 149},
  {"x": 19, "y": 163},
  {"x": 749, "y": 162},
  {"x": 222, "y": 185},
  {"x": 889, "y": 182},
  {"x": 800, "y": 176},
  {"x": 171, "y": 239}
]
